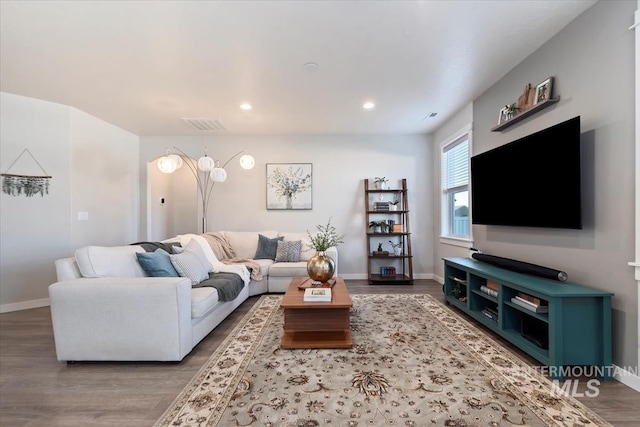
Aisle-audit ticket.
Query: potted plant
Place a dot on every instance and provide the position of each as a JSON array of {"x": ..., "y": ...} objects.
[
  {"x": 380, "y": 251},
  {"x": 396, "y": 247},
  {"x": 378, "y": 226},
  {"x": 380, "y": 183},
  {"x": 393, "y": 205},
  {"x": 321, "y": 267}
]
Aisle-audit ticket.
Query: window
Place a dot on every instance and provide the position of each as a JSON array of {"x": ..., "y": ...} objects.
[{"x": 454, "y": 180}]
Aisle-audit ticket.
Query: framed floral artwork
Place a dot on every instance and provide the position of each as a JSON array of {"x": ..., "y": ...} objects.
[{"x": 289, "y": 186}]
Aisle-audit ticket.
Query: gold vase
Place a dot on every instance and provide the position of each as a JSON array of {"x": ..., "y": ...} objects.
[{"x": 321, "y": 267}]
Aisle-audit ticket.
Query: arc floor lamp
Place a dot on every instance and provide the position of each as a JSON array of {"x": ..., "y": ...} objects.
[{"x": 206, "y": 170}]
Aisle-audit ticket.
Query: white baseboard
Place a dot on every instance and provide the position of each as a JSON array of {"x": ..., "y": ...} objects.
[
  {"x": 24, "y": 305},
  {"x": 627, "y": 378},
  {"x": 438, "y": 279}
]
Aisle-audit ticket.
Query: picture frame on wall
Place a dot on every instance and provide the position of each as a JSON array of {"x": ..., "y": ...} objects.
[
  {"x": 289, "y": 186},
  {"x": 543, "y": 91}
]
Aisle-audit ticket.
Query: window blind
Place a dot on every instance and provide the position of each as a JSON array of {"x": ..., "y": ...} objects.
[{"x": 455, "y": 162}]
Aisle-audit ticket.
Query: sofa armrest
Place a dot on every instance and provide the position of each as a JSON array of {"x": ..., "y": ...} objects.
[{"x": 122, "y": 318}]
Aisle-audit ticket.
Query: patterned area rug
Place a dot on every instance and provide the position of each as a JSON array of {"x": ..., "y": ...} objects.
[{"x": 414, "y": 363}]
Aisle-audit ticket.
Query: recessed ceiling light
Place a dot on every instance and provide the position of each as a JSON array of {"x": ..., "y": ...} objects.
[
  {"x": 368, "y": 105},
  {"x": 245, "y": 106}
]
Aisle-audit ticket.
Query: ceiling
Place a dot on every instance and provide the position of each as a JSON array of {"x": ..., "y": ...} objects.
[{"x": 144, "y": 65}]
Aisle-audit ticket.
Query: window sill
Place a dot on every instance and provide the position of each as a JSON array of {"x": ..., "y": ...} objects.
[{"x": 456, "y": 241}]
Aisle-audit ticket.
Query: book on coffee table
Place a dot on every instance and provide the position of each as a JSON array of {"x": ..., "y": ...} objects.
[{"x": 317, "y": 295}]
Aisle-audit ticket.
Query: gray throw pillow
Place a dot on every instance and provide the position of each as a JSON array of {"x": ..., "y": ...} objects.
[
  {"x": 267, "y": 247},
  {"x": 289, "y": 251}
]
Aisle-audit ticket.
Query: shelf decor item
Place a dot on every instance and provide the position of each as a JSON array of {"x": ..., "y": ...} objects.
[
  {"x": 322, "y": 267},
  {"x": 380, "y": 183},
  {"x": 22, "y": 184},
  {"x": 543, "y": 91}
]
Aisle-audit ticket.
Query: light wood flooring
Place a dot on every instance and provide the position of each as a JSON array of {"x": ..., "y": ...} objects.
[{"x": 37, "y": 390}]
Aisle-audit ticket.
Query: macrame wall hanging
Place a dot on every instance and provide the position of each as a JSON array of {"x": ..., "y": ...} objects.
[{"x": 28, "y": 185}]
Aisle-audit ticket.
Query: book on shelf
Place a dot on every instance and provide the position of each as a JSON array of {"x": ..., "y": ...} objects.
[
  {"x": 529, "y": 305},
  {"x": 532, "y": 299},
  {"x": 387, "y": 271},
  {"x": 490, "y": 313},
  {"x": 492, "y": 285},
  {"x": 488, "y": 291},
  {"x": 317, "y": 295}
]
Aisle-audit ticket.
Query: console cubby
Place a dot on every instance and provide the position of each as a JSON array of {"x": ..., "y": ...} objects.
[{"x": 576, "y": 330}]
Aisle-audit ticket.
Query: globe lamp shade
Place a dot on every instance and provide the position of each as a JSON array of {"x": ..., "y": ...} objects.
[
  {"x": 218, "y": 175},
  {"x": 206, "y": 164},
  {"x": 176, "y": 159},
  {"x": 166, "y": 164},
  {"x": 247, "y": 161}
]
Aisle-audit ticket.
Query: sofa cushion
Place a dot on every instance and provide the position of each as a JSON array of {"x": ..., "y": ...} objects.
[
  {"x": 202, "y": 301},
  {"x": 157, "y": 263},
  {"x": 306, "y": 252},
  {"x": 192, "y": 263},
  {"x": 264, "y": 264},
  {"x": 112, "y": 261},
  {"x": 267, "y": 247},
  {"x": 288, "y": 251},
  {"x": 245, "y": 243},
  {"x": 288, "y": 269}
]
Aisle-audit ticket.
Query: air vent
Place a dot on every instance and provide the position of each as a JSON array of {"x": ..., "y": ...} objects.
[{"x": 204, "y": 124}]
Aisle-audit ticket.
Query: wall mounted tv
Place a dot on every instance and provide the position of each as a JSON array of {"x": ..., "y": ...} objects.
[{"x": 531, "y": 182}]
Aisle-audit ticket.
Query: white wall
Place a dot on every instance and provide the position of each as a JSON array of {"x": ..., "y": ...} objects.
[
  {"x": 340, "y": 163},
  {"x": 34, "y": 230},
  {"x": 104, "y": 180},
  {"x": 94, "y": 168},
  {"x": 592, "y": 62}
]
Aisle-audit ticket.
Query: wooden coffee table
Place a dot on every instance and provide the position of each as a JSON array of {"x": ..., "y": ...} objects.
[{"x": 316, "y": 324}]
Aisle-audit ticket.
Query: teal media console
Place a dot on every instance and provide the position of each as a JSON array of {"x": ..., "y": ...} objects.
[{"x": 575, "y": 330}]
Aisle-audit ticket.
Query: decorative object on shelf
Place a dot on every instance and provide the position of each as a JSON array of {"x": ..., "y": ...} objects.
[
  {"x": 29, "y": 185},
  {"x": 380, "y": 183},
  {"x": 543, "y": 91},
  {"x": 379, "y": 226},
  {"x": 507, "y": 113},
  {"x": 322, "y": 267},
  {"x": 205, "y": 170},
  {"x": 394, "y": 204},
  {"x": 289, "y": 186},
  {"x": 525, "y": 101},
  {"x": 397, "y": 248}
]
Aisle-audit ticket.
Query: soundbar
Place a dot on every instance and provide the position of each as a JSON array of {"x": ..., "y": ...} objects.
[{"x": 522, "y": 267}]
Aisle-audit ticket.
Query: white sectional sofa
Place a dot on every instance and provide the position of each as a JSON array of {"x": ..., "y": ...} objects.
[{"x": 105, "y": 308}]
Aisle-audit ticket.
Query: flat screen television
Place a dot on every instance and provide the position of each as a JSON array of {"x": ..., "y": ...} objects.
[{"x": 531, "y": 182}]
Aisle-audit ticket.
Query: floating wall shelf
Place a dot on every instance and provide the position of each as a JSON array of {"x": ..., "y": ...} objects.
[{"x": 512, "y": 121}]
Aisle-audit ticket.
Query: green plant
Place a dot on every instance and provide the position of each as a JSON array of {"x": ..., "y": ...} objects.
[
  {"x": 380, "y": 179},
  {"x": 325, "y": 238},
  {"x": 382, "y": 224},
  {"x": 379, "y": 247},
  {"x": 395, "y": 245}
]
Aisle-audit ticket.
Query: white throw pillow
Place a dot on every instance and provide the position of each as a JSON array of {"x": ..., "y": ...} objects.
[
  {"x": 186, "y": 239},
  {"x": 192, "y": 263}
]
